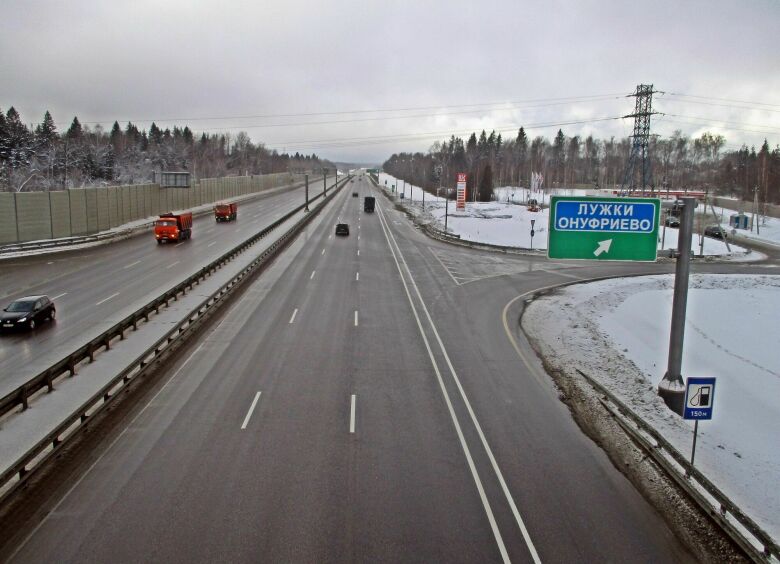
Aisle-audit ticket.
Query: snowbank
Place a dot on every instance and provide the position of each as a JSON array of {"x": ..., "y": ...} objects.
[{"x": 617, "y": 331}]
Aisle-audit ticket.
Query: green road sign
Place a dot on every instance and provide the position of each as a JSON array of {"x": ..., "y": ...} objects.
[{"x": 603, "y": 228}]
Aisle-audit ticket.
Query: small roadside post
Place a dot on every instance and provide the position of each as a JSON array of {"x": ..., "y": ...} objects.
[
  {"x": 324, "y": 182},
  {"x": 532, "y": 233},
  {"x": 307, "y": 192},
  {"x": 699, "y": 397}
]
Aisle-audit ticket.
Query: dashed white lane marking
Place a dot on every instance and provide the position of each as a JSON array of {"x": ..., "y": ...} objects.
[
  {"x": 251, "y": 410},
  {"x": 323, "y": 252},
  {"x": 59, "y": 295},
  {"x": 352, "y": 415},
  {"x": 210, "y": 244},
  {"x": 292, "y": 319},
  {"x": 106, "y": 299},
  {"x": 357, "y": 276},
  {"x": 312, "y": 275},
  {"x": 172, "y": 264},
  {"x": 131, "y": 265},
  {"x": 358, "y": 252},
  {"x": 356, "y": 318},
  {"x": 180, "y": 243}
]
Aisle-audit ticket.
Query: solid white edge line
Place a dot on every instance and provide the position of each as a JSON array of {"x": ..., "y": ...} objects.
[
  {"x": 448, "y": 402},
  {"x": 472, "y": 415},
  {"x": 352, "y": 415},
  {"x": 292, "y": 319},
  {"x": 106, "y": 299},
  {"x": 251, "y": 410},
  {"x": 100, "y": 458}
]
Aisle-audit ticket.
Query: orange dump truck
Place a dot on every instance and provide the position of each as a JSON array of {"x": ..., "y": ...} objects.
[
  {"x": 227, "y": 211},
  {"x": 173, "y": 227}
]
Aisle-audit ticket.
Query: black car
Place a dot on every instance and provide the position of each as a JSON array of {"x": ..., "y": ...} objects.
[
  {"x": 715, "y": 231},
  {"x": 672, "y": 221},
  {"x": 354, "y": 194},
  {"x": 27, "y": 313},
  {"x": 342, "y": 229}
]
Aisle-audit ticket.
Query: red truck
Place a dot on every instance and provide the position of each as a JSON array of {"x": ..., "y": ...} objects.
[
  {"x": 173, "y": 227},
  {"x": 227, "y": 211}
]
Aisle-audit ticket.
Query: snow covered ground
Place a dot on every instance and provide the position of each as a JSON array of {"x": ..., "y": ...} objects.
[
  {"x": 768, "y": 227},
  {"x": 617, "y": 331},
  {"x": 507, "y": 223}
]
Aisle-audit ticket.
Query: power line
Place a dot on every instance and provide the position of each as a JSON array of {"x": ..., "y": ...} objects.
[
  {"x": 723, "y": 99},
  {"x": 382, "y": 139},
  {"x": 567, "y": 99},
  {"x": 714, "y": 104}
]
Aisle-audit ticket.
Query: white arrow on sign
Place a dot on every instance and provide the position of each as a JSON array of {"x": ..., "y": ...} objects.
[{"x": 603, "y": 247}]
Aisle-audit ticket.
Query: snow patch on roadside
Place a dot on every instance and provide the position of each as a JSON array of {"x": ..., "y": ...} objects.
[{"x": 617, "y": 332}]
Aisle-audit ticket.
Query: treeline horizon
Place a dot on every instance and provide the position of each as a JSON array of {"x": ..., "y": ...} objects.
[
  {"x": 42, "y": 158},
  {"x": 677, "y": 163}
]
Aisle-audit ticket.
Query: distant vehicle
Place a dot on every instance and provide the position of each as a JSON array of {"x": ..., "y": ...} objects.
[
  {"x": 342, "y": 229},
  {"x": 715, "y": 231},
  {"x": 173, "y": 227},
  {"x": 533, "y": 205},
  {"x": 354, "y": 194},
  {"x": 369, "y": 202},
  {"x": 672, "y": 221},
  {"x": 226, "y": 211},
  {"x": 27, "y": 313}
]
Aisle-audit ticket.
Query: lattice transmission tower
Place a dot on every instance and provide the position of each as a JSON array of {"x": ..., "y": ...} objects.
[{"x": 640, "y": 142}]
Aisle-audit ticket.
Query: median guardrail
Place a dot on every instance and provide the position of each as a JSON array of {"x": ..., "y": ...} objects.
[
  {"x": 42, "y": 451},
  {"x": 739, "y": 527}
]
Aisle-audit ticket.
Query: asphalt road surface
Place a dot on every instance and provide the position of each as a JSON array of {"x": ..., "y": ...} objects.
[
  {"x": 362, "y": 401},
  {"x": 102, "y": 285}
]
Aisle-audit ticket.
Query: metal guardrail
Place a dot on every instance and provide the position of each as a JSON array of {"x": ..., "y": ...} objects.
[
  {"x": 68, "y": 364},
  {"x": 707, "y": 496},
  {"x": 51, "y": 443}
]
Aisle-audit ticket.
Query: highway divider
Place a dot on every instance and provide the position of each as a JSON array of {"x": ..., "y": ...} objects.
[
  {"x": 42, "y": 451},
  {"x": 713, "y": 502}
]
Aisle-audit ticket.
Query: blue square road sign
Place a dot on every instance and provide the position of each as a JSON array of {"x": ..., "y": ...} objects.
[{"x": 699, "y": 397}]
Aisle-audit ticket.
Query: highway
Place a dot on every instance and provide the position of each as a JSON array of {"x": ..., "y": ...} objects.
[
  {"x": 361, "y": 401},
  {"x": 95, "y": 287}
]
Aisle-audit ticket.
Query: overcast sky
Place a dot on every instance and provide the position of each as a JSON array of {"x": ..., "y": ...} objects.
[{"x": 443, "y": 67}]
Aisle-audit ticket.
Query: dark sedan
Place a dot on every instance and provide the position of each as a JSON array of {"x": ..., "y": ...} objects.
[
  {"x": 342, "y": 229},
  {"x": 715, "y": 231},
  {"x": 27, "y": 313}
]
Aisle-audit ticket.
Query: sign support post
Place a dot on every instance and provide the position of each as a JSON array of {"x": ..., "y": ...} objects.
[
  {"x": 671, "y": 388},
  {"x": 532, "y": 233}
]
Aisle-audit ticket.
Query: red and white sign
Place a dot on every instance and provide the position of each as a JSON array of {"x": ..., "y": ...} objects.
[{"x": 460, "y": 202}]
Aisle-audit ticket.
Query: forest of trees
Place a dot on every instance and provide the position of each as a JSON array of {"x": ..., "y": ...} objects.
[
  {"x": 41, "y": 158},
  {"x": 678, "y": 162}
]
